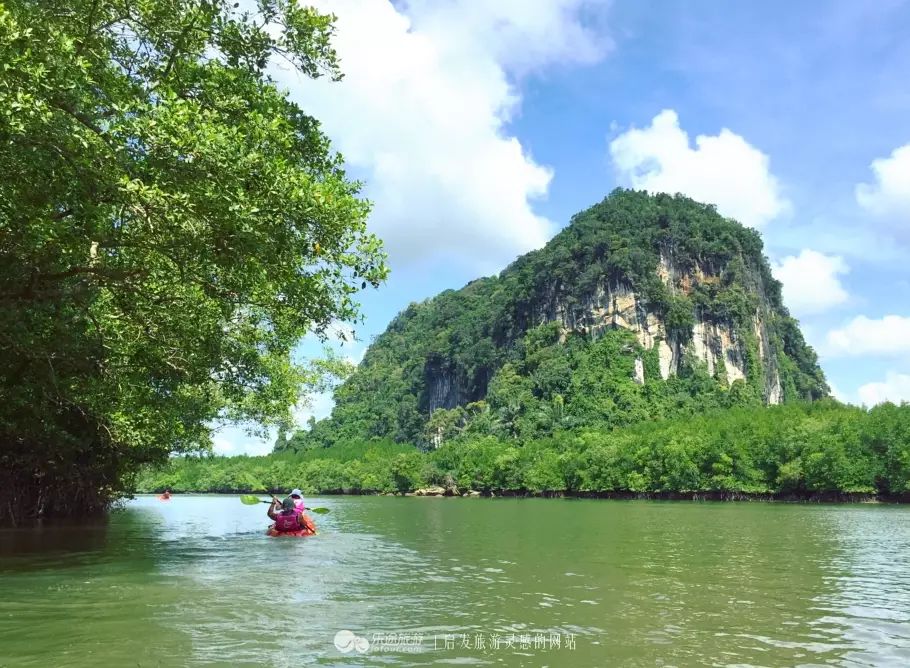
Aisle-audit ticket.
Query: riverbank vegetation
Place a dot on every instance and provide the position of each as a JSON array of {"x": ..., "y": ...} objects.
[
  {"x": 820, "y": 449},
  {"x": 171, "y": 225}
]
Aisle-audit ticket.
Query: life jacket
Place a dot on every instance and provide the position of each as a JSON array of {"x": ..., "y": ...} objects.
[
  {"x": 299, "y": 506},
  {"x": 287, "y": 520}
]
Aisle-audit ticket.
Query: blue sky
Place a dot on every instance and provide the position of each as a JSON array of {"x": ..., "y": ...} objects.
[{"x": 480, "y": 128}]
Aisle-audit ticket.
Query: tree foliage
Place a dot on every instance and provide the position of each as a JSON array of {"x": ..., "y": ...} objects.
[{"x": 170, "y": 224}]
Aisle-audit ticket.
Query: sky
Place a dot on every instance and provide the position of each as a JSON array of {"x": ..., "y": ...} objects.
[{"x": 480, "y": 128}]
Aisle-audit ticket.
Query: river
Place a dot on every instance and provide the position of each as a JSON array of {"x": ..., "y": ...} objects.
[{"x": 431, "y": 581}]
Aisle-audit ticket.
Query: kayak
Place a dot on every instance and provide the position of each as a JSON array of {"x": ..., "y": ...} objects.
[
  {"x": 309, "y": 529},
  {"x": 301, "y": 533},
  {"x": 164, "y": 498}
]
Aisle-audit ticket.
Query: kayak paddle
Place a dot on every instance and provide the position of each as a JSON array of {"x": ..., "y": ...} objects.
[{"x": 252, "y": 500}]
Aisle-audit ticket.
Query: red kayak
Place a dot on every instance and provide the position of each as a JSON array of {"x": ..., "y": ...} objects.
[
  {"x": 309, "y": 529},
  {"x": 274, "y": 533}
]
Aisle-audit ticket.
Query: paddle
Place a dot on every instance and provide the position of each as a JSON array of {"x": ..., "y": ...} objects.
[{"x": 252, "y": 500}]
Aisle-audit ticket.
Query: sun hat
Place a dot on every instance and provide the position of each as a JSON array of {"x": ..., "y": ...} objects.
[{"x": 296, "y": 492}]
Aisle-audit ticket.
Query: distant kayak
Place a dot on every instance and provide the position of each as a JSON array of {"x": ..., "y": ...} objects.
[{"x": 164, "y": 497}]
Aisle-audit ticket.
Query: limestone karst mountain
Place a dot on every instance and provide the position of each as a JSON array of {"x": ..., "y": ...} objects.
[{"x": 642, "y": 307}]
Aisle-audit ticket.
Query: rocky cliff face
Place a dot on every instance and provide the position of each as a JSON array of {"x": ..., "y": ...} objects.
[
  {"x": 714, "y": 344},
  {"x": 691, "y": 286},
  {"x": 446, "y": 386}
]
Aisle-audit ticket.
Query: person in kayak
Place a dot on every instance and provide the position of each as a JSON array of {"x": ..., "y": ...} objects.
[
  {"x": 289, "y": 517},
  {"x": 298, "y": 500},
  {"x": 296, "y": 496}
]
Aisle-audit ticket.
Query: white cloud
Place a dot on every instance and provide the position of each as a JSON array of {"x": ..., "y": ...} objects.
[
  {"x": 723, "y": 169},
  {"x": 235, "y": 440},
  {"x": 811, "y": 281},
  {"x": 317, "y": 406},
  {"x": 895, "y": 388},
  {"x": 223, "y": 445},
  {"x": 520, "y": 35},
  {"x": 889, "y": 196},
  {"x": 887, "y": 336},
  {"x": 423, "y": 110}
]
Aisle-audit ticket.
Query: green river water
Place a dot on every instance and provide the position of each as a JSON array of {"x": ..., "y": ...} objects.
[{"x": 427, "y": 581}]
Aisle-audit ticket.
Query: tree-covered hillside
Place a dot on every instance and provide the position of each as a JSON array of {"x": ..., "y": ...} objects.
[{"x": 644, "y": 307}]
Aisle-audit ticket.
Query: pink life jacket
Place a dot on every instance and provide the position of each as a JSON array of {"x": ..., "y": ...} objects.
[
  {"x": 299, "y": 507},
  {"x": 287, "y": 520}
]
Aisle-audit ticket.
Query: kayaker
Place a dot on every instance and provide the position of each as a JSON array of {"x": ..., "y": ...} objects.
[
  {"x": 289, "y": 518},
  {"x": 275, "y": 507},
  {"x": 298, "y": 500},
  {"x": 296, "y": 496}
]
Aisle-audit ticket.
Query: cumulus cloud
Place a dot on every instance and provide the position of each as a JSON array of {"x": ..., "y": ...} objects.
[
  {"x": 520, "y": 35},
  {"x": 423, "y": 112},
  {"x": 811, "y": 281},
  {"x": 889, "y": 196},
  {"x": 722, "y": 169},
  {"x": 887, "y": 336},
  {"x": 895, "y": 388}
]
